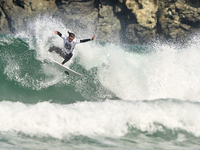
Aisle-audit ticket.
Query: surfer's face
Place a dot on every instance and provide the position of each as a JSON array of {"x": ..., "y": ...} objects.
[{"x": 71, "y": 39}]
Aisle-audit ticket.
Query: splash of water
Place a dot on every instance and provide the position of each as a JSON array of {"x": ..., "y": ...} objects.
[{"x": 168, "y": 71}]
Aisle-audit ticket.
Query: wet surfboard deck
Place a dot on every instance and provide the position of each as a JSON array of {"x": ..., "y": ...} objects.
[{"x": 65, "y": 69}]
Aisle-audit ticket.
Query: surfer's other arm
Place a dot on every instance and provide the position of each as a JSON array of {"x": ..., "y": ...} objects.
[{"x": 57, "y": 32}]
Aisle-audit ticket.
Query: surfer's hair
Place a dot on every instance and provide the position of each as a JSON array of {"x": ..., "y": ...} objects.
[{"x": 71, "y": 34}]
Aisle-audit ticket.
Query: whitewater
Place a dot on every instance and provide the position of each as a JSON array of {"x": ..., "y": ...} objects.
[{"x": 129, "y": 97}]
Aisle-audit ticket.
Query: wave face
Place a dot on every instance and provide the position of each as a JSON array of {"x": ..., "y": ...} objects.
[{"x": 128, "y": 95}]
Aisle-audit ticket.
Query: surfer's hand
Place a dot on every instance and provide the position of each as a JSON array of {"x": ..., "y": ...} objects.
[
  {"x": 93, "y": 37},
  {"x": 56, "y": 32}
]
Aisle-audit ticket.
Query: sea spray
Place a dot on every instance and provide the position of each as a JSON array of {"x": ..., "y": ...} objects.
[{"x": 165, "y": 70}]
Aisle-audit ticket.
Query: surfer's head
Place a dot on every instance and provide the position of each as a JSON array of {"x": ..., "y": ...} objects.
[{"x": 71, "y": 36}]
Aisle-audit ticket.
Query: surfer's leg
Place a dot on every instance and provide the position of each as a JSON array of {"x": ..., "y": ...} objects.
[
  {"x": 67, "y": 58},
  {"x": 51, "y": 49},
  {"x": 57, "y": 50}
]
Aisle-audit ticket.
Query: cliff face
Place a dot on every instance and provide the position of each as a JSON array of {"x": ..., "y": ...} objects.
[
  {"x": 14, "y": 14},
  {"x": 130, "y": 21}
]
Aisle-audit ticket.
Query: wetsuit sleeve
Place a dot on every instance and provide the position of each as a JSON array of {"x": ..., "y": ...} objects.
[
  {"x": 85, "y": 40},
  {"x": 59, "y": 34}
]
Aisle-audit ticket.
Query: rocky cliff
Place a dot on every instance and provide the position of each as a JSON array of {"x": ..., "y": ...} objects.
[{"x": 130, "y": 21}]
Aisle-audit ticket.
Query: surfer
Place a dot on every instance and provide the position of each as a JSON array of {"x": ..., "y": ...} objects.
[{"x": 69, "y": 45}]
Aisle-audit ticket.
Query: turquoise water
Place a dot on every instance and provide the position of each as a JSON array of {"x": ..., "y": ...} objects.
[{"x": 130, "y": 97}]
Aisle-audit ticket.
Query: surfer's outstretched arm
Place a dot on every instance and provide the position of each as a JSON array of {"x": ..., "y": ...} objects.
[
  {"x": 57, "y": 32},
  {"x": 86, "y": 40}
]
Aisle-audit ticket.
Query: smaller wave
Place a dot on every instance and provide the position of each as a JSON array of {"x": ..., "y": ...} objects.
[{"x": 108, "y": 118}]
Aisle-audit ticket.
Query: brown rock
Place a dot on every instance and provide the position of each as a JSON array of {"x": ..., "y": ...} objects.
[{"x": 130, "y": 21}]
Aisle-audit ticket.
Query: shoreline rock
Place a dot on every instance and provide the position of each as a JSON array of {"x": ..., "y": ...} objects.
[{"x": 119, "y": 21}]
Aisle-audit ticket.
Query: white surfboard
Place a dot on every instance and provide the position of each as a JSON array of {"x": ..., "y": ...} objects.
[{"x": 65, "y": 69}]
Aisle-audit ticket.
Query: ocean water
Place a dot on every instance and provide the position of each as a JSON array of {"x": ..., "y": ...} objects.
[{"x": 130, "y": 96}]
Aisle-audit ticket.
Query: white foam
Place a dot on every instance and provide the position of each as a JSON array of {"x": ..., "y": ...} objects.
[
  {"x": 166, "y": 72},
  {"x": 108, "y": 118}
]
